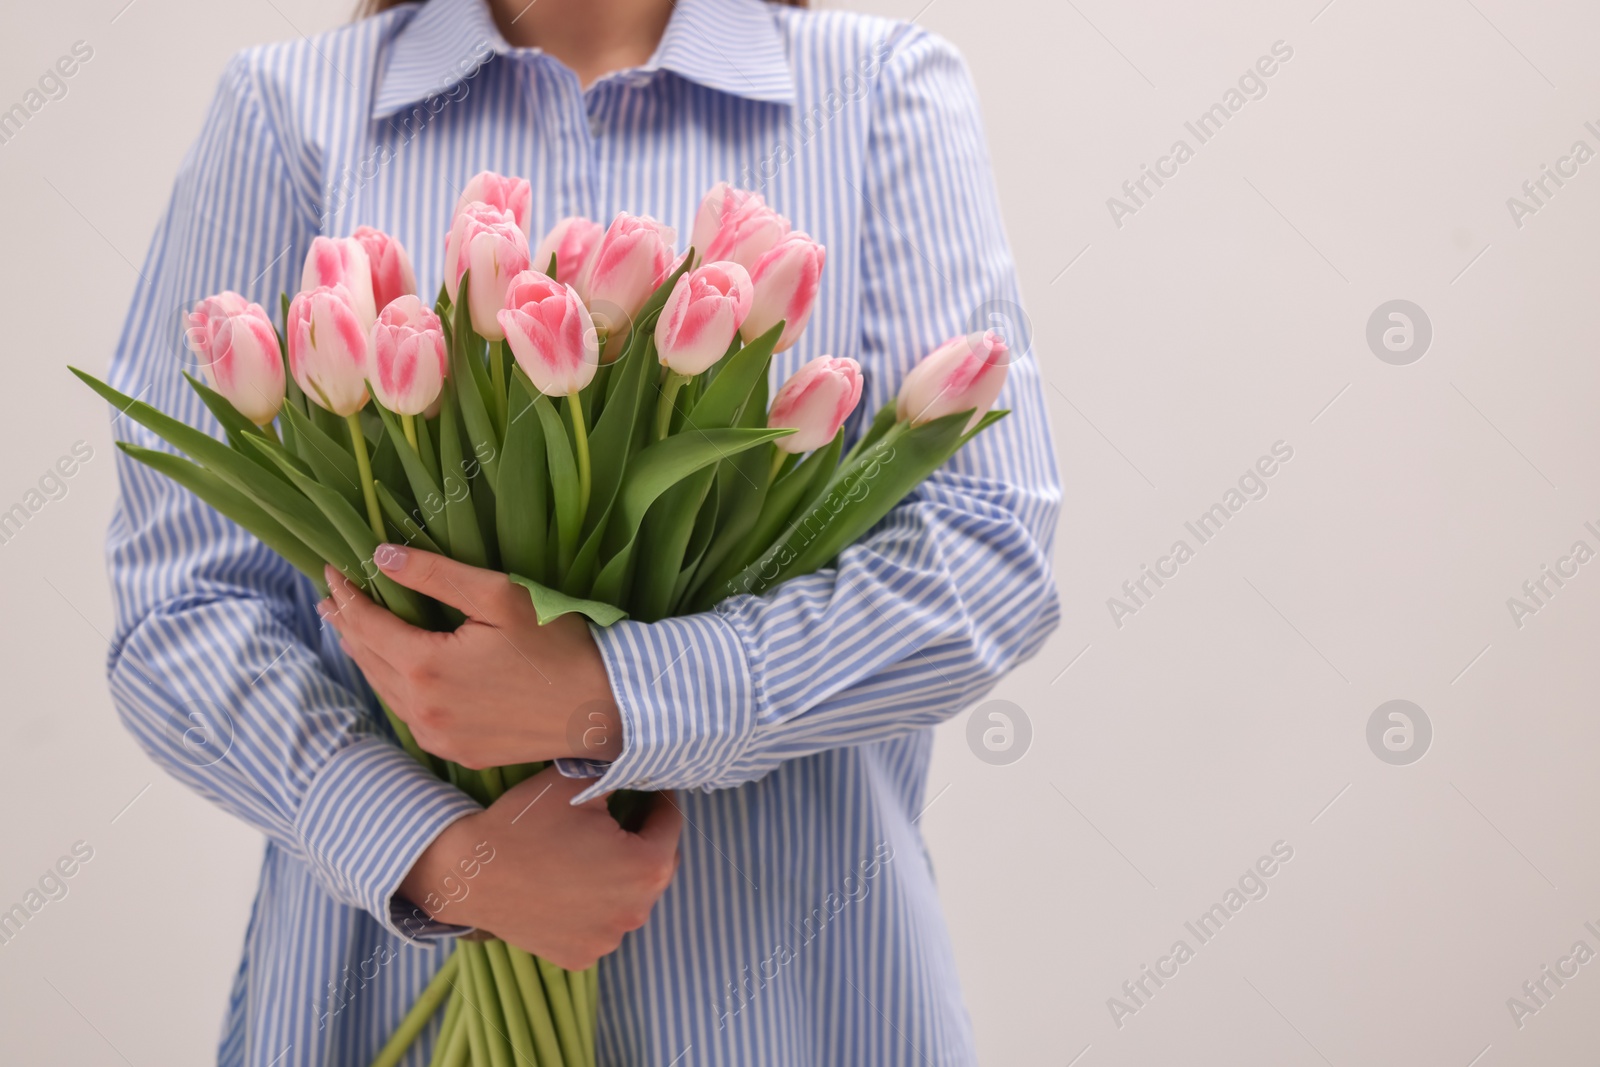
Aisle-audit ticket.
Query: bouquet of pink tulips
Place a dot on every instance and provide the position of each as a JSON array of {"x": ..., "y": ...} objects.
[{"x": 593, "y": 420}]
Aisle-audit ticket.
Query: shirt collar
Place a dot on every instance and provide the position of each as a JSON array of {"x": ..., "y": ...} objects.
[{"x": 732, "y": 46}]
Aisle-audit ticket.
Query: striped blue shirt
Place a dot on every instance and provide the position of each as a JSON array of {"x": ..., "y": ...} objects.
[{"x": 803, "y": 926}]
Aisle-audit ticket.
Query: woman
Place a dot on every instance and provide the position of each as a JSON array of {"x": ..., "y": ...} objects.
[{"x": 796, "y": 921}]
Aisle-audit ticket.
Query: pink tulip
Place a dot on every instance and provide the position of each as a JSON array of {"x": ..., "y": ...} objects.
[
  {"x": 815, "y": 402},
  {"x": 392, "y": 276},
  {"x": 631, "y": 260},
  {"x": 550, "y": 334},
  {"x": 702, "y": 316},
  {"x": 342, "y": 261},
  {"x": 328, "y": 349},
  {"x": 487, "y": 241},
  {"x": 786, "y": 278},
  {"x": 963, "y": 374},
  {"x": 745, "y": 228},
  {"x": 572, "y": 242},
  {"x": 408, "y": 360},
  {"x": 238, "y": 350},
  {"x": 498, "y": 191}
]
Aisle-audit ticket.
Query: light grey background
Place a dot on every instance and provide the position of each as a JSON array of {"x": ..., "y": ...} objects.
[{"x": 1168, "y": 754}]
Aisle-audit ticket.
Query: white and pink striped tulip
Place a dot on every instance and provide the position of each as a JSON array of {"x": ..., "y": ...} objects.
[
  {"x": 408, "y": 362},
  {"x": 342, "y": 261},
  {"x": 815, "y": 402},
  {"x": 572, "y": 241},
  {"x": 498, "y": 191},
  {"x": 238, "y": 349},
  {"x": 328, "y": 349},
  {"x": 702, "y": 316},
  {"x": 487, "y": 241},
  {"x": 392, "y": 274},
  {"x": 632, "y": 259},
  {"x": 736, "y": 224},
  {"x": 550, "y": 333},
  {"x": 786, "y": 280},
  {"x": 963, "y": 374}
]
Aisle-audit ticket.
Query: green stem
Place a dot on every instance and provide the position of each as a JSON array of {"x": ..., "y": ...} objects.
[
  {"x": 271, "y": 433},
  {"x": 494, "y": 1022},
  {"x": 409, "y": 424},
  {"x": 505, "y": 985},
  {"x": 418, "y": 1016},
  {"x": 580, "y": 443},
  {"x": 578, "y": 986},
  {"x": 537, "y": 1006},
  {"x": 408, "y": 741},
  {"x": 497, "y": 376},
  {"x": 358, "y": 445},
  {"x": 669, "y": 396},
  {"x": 472, "y": 1017},
  {"x": 592, "y": 978},
  {"x": 450, "y": 1032},
  {"x": 779, "y": 458},
  {"x": 556, "y": 992}
]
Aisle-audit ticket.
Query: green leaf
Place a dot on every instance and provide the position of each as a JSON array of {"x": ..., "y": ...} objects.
[
  {"x": 426, "y": 433},
  {"x": 236, "y": 506},
  {"x": 289, "y": 507},
  {"x": 821, "y": 477},
  {"x": 550, "y": 604},
  {"x": 655, "y": 470},
  {"x": 430, "y": 501},
  {"x": 352, "y": 526},
  {"x": 664, "y": 541},
  {"x": 461, "y": 519},
  {"x": 564, "y": 481},
  {"x": 329, "y": 459},
  {"x": 882, "y": 422},
  {"x": 234, "y": 423},
  {"x": 522, "y": 503},
  {"x": 725, "y": 397},
  {"x": 705, "y": 525},
  {"x": 862, "y": 493},
  {"x": 474, "y": 394},
  {"x": 611, "y": 437},
  {"x": 401, "y": 520}
]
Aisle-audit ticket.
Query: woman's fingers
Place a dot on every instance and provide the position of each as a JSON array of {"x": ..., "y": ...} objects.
[
  {"x": 477, "y": 593},
  {"x": 380, "y": 630}
]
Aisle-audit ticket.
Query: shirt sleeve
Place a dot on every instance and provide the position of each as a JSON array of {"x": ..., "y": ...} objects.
[
  {"x": 923, "y": 615},
  {"x": 218, "y": 664}
]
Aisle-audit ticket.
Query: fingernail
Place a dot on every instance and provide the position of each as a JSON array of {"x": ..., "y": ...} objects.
[
  {"x": 326, "y": 608},
  {"x": 330, "y": 574},
  {"x": 389, "y": 557}
]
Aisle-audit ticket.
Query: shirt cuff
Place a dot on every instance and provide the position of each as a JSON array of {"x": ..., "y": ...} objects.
[
  {"x": 687, "y": 699},
  {"x": 370, "y": 812}
]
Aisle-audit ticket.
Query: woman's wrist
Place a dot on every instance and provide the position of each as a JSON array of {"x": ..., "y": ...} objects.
[{"x": 439, "y": 884}]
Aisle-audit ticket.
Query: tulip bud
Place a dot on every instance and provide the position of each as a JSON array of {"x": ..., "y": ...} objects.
[
  {"x": 342, "y": 261},
  {"x": 408, "y": 362},
  {"x": 963, "y": 374},
  {"x": 702, "y": 316},
  {"x": 487, "y": 241},
  {"x": 500, "y": 192},
  {"x": 392, "y": 275},
  {"x": 572, "y": 242},
  {"x": 815, "y": 402},
  {"x": 631, "y": 260},
  {"x": 786, "y": 281},
  {"x": 550, "y": 334},
  {"x": 328, "y": 349},
  {"x": 736, "y": 224},
  {"x": 238, "y": 350}
]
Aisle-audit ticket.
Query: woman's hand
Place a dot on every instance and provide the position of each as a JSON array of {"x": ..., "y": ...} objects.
[
  {"x": 562, "y": 882},
  {"x": 501, "y": 689}
]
